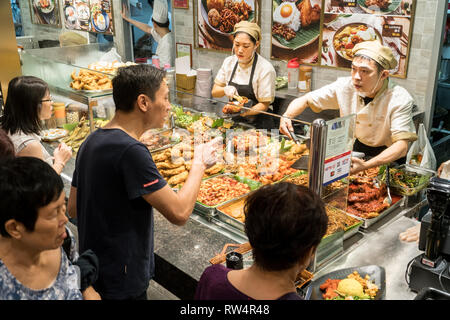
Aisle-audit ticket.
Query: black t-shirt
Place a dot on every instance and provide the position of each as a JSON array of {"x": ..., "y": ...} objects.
[{"x": 113, "y": 171}]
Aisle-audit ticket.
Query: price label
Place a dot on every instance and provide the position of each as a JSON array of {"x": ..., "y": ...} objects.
[
  {"x": 336, "y": 168},
  {"x": 392, "y": 30},
  {"x": 343, "y": 3}
]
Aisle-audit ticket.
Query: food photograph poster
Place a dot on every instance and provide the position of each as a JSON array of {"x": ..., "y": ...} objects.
[
  {"x": 349, "y": 22},
  {"x": 89, "y": 15},
  {"x": 296, "y": 30},
  {"x": 215, "y": 20},
  {"x": 45, "y": 12}
]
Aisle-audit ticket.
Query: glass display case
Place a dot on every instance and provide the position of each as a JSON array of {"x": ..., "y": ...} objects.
[{"x": 65, "y": 69}]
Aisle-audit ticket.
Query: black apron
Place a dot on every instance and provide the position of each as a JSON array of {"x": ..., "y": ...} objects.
[
  {"x": 371, "y": 152},
  {"x": 260, "y": 121}
]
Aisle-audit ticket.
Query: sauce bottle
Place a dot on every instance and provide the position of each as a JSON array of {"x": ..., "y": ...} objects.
[
  {"x": 304, "y": 78},
  {"x": 293, "y": 73}
]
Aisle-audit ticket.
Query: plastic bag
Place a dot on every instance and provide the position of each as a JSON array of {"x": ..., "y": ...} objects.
[
  {"x": 421, "y": 153},
  {"x": 111, "y": 56}
]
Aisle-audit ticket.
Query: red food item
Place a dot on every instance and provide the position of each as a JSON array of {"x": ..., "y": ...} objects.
[
  {"x": 329, "y": 286},
  {"x": 231, "y": 108}
]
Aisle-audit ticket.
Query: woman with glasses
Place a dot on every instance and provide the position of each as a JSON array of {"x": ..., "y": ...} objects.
[{"x": 28, "y": 102}]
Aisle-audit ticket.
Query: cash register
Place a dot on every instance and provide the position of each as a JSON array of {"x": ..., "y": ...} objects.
[{"x": 432, "y": 268}]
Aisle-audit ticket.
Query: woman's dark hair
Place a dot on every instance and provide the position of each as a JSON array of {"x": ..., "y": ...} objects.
[
  {"x": 6, "y": 146},
  {"x": 27, "y": 184},
  {"x": 283, "y": 222},
  {"x": 162, "y": 25},
  {"x": 23, "y": 105},
  {"x": 249, "y": 35},
  {"x": 134, "y": 80}
]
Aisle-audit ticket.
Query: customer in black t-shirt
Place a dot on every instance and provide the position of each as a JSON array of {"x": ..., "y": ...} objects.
[{"x": 116, "y": 184}]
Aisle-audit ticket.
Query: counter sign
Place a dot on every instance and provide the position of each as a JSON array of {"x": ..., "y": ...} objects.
[{"x": 336, "y": 168}]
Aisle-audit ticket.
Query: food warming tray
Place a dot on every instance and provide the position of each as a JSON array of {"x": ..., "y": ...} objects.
[
  {"x": 211, "y": 210},
  {"x": 222, "y": 216},
  {"x": 368, "y": 222}
]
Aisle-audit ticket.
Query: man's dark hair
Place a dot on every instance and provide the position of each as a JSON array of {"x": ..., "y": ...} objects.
[
  {"x": 283, "y": 222},
  {"x": 6, "y": 146},
  {"x": 23, "y": 105},
  {"x": 162, "y": 25},
  {"x": 134, "y": 80},
  {"x": 27, "y": 184},
  {"x": 380, "y": 68}
]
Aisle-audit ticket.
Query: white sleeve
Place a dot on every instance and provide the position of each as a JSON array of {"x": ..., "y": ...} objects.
[
  {"x": 265, "y": 91},
  {"x": 324, "y": 98},
  {"x": 402, "y": 125},
  {"x": 222, "y": 75}
]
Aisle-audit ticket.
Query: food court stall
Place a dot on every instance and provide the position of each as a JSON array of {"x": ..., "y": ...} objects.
[{"x": 319, "y": 158}]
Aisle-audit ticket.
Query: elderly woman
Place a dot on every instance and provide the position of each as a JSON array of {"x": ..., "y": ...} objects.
[
  {"x": 33, "y": 264},
  {"x": 284, "y": 224},
  {"x": 248, "y": 74},
  {"x": 28, "y": 103}
]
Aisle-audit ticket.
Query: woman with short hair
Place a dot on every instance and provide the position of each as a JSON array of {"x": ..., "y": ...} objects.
[
  {"x": 33, "y": 264},
  {"x": 284, "y": 224}
]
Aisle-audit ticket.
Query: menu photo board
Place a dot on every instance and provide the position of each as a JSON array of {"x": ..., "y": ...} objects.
[
  {"x": 296, "y": 30},
  {"x": 349, "y": 22},
  {"x": 89, "y": 15},
  {"x": 214, "y": 21},
  {"x": 45, "y": 12}
]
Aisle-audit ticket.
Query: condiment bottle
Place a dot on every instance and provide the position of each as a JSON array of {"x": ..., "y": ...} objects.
[
  {"x": 304, "y": 78},
  {"x": 60, "y": 113},
  {"x": 155, "y": 61},
  {"x": 293, "y": 73}
]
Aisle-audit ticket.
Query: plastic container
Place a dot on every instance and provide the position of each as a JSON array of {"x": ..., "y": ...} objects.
[
  {"x": 408, "y": 169},
  {"x": 59, "y": 110},
  {"x": 304, "y": 78},
  {"x": 155, "y": 61},
  {"x": 293, "y": 73}
]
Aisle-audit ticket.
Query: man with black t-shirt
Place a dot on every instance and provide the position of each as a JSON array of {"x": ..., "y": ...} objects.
[
  {"x": 384, "y": 125},
  {"x": 116, "y": 184}
]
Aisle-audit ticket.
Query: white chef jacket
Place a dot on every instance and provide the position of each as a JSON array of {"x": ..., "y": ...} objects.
[
  {"x": 263, "y": 78},
  {"x": 383, "y": 121},
  {"x": 165, "y": 50}
]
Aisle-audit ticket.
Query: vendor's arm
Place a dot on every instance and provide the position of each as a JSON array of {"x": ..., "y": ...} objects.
[
  {"x": 261, "y": 106},
  {"x": 397, "y": 150},
  {"x": 317, "y": 100},
  {"x": 218, "y": 91},
  {"x": 141, "y": 25}
]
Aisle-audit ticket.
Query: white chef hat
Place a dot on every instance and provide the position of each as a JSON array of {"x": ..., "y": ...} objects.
[{"x": 160, "y": 11}]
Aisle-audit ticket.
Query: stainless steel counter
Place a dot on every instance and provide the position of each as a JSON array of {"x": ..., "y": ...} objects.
[{"x": 381, "y": 246}]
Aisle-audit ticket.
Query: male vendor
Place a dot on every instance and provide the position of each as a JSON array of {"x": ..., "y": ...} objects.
[{"x": 384, "y": 125}]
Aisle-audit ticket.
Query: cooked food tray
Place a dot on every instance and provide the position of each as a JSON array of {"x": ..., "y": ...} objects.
[
  {"x": 224, "y": 217},
  {"x": 204, "y": 208},
  {"x": 368, "y": 222}
]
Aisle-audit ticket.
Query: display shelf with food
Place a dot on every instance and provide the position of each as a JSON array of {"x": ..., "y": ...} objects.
[{"x": 79, "y": 133}]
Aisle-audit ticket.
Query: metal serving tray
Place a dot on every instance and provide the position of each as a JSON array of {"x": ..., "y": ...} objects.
[
  {"x": 368, "y": 222},
  {"x": 222, "y": 216},
  {"x": 170, "y": 145},
  {"x": 211, "y": 210}
]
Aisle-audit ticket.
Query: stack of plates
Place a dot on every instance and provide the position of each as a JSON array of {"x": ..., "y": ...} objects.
[{"x": 203, "y": 84}]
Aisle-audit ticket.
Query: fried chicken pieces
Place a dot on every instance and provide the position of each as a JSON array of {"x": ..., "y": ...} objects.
[{"x": 308, "y": 14}]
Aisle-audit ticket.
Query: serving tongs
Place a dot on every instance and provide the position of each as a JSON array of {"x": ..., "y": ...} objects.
[
  {"x": 388, "y": 199},
  {"x": 303, "y": 161}
]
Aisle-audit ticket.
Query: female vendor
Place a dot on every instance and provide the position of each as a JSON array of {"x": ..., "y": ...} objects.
[{"x": 247, "y": 74}]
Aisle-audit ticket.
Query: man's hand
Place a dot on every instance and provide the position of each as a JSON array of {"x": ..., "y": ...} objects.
[
  {"x": 208, "y": 154},
  {"x": 286, "y": 126},
  {"x": 411, "y": 235},
  {"x": 357, "y": 165},
  {"x": 124, "y": 12}
]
